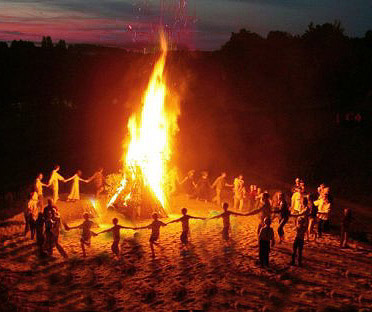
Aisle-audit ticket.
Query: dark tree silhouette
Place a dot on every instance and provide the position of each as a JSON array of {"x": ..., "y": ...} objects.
[
  {"x": 46, "y": 42},
  {"x": 61, "y": 45},
  {"x": 20, "y": 44}
]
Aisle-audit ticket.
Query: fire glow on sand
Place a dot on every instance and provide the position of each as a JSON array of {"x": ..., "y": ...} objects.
[{"x": 151, "y": 134}]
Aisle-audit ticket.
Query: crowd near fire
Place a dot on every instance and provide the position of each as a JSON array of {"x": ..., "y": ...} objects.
[{"x": 145, "y": 174}]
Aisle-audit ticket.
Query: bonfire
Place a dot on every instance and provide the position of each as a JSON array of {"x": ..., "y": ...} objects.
[{"x": 148, "y": 149}]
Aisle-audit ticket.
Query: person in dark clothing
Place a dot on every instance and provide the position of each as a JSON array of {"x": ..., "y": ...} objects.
[
  {"x": 264, "y": 210},
  {"x": 266, "y": 236},
  {"x": 48, "y": 209},
  {"x": 188, "y": 183},
  {"x": 49, "y": 236},
  {"x": 284, "y": 214},
  {"x": 115, "y": 230},
  {"x": 313, "y": 211},
  {"x": 185, "y": 226},
  {"x": 203, "y": 187},
  {"x": 155, "y": 231},
  {"x": 55, "y": 229},
  {"x": 298, "y": 243},
  {"x": 225, "y": 216},
  {"x": 345, "y": 227},
  {"x": 40, "y": 239}
]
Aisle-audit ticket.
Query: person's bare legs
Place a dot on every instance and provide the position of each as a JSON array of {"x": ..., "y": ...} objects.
[
  {"x": 241, "y": 203},
  {"x": 236, "y": 201},
  {"x": 152, "y": 249},
  {"x": 61, "y": 250},
  {"x": 83, "y": 248}
]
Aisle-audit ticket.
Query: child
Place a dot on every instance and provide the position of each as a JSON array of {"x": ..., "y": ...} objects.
[
  {"x": 226, "y": 220},
  {"x": 264, "y": 210},
  {"x": 298, "y": 243},
  {"x": 116, "y": 235},
  {"x": 185, "y": 226},
  {"x": 87, "y": 233},
  {"x": 155, "y": 231},
  {"x": 345, "y": 227},
  {"x": 265, "y": 236},
  {"x": 284, "y": 213}
]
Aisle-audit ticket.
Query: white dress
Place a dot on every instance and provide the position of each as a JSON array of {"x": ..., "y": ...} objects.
[
  {"x": 75, "y": 193},
  {"x": 54, "y": 178}
]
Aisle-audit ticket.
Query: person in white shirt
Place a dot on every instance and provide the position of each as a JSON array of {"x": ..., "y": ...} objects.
[
  {"x": 55, "y": 177},
  {"x": 39, "y": 189},
  {"x": 324, "y": 209},
  {"x": 296, "y": 201},
  {"x": 239, "y": 193}
]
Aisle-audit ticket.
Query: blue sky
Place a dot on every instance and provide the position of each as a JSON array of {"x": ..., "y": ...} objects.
[{"x": 203, "y": 24}]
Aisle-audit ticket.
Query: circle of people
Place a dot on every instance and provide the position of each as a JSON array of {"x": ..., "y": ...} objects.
[{"x": 310, "y": 210}]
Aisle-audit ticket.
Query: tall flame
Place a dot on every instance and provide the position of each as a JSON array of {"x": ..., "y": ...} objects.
[{"x": 151, "y": 135}]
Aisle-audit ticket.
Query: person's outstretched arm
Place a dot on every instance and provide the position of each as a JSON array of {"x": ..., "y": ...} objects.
[
  {"x": 59, "y": 177},
  {"x": 174, "y": 221},
  {"x": 106, "y": 231},
  {"x": 143, "y": 227},
  {"x": 126, "y": 227},
  {"x": 197, "y": 218},
  {"x": 72, "y": 227},
  {"x": 67, "y": 180},
  {"x": 253, "y": 212},
  {"x": 238, "y": 214},
  {"x": 216, "y": 217}
]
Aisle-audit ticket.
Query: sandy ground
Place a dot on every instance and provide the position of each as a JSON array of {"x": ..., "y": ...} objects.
[{"x": 209, "y": 277}]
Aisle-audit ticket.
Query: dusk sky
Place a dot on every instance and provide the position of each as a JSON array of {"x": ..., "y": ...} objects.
[{"x": 206, "y": 25}]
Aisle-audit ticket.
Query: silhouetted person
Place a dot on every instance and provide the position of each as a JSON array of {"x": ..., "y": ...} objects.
[
  {"x": 265, "y": 237},
  {"x": 284, "y": 214},
  {"x": 188, "y": 183},
  {"x": 116, "y": 235},
  {"x": 313, "y": 212},
  {"x": 203, "y": 187},
  {"x": 226, "y": 220},
  {"x": 49, "y": 235},
  {"x": 40, "y": 239},
  {"x": 86, "y": 234},
  {"x": 264, "y": 210},
  {"x": 55, "y": 229},
  {"x": 48, "y": 208},
  {"x": 252, "y": 197},
  {"x": 155, "y": 232},
  {"x": 185, "y": 226},
  {"x": 345, "y": 227},
  {"x": 98, "y": 179},
  {"x": 298, "y": 243}
]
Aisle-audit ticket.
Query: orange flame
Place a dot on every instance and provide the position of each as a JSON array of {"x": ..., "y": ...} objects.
[{"x": 151, "y": 135}]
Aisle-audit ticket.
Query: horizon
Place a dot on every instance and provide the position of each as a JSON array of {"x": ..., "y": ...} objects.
[{"x": 200, "y": 25}]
